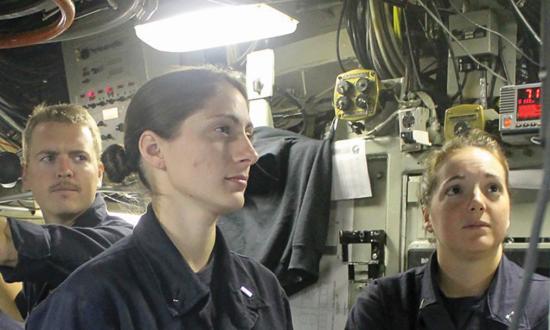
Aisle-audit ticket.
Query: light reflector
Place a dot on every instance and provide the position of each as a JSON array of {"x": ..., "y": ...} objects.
[{"x": 215, "y": 27}]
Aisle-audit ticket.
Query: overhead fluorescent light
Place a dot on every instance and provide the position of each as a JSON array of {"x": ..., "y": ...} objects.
[{"x": 215, "y": 27}]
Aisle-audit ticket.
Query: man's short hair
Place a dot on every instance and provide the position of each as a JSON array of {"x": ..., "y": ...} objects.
[{"x": 60, "y": 113}]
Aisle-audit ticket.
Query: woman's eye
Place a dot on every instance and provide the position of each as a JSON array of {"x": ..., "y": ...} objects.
[
  {"x": 454, "y": 190},
  {"x": 250, "y": 136},
  {"x": 494, "y": 188}
]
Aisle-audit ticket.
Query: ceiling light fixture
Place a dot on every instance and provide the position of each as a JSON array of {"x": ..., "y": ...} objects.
[{"x": 215, "y": 27}]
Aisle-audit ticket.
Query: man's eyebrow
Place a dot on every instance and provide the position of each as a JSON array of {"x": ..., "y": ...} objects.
[
  {"x": 46, "y": 152},
  {"x": 78, "y": 151},
  {"x": 55, "y": 153}
]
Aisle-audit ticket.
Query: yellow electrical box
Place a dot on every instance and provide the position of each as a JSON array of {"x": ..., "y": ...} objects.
[
  {"x": 461, "y": 118},
  {"x": 356, "y": 94}
]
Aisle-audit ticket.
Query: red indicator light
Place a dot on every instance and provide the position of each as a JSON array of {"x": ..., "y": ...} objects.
[{"x": 90, "y": 95}]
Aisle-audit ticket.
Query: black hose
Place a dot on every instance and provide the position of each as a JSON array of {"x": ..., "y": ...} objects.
[{"x": 338, "y": 36}]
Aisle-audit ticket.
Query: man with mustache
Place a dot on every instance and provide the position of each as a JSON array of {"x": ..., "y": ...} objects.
[{"x": 62, "y": 168}]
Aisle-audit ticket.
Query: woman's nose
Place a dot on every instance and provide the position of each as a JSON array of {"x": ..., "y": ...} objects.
[
  {"x": 247, "y": 153},
  {"x": 477, "y": 203}
]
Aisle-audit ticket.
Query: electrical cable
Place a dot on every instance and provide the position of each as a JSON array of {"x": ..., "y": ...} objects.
[
  {"x": 323, "y": 92},
  {"x": 544, "y": 193},
  {"x": 504, "y": 67},
  {"x": 527, "y": 25},
  {"x": 9, "y": 109},
  {"x": 332, "y": 129},
  {"x": 361, "y": 30},
  {"x": 7, "y": 146},
  {"x": 503, "y": 37},
  {"x": 350, "y": 28},
  {"x": 440, "y": 23},
  {"x": 356, "y": 13},
  {"x": 370, "y": 134},
  {"x": 535, "y": 140},
  {"x": 382, "y": 39},
  {"x": 458, "y": 93},
  {"x": 531, "y": 258},
  {"x": 10, "y": 121},
  {"x": 411, "y": 53},
  {"x": 459, "y": 84},
  {"x": 369, "y": 39},
  {"x": 397, "y": 22},
  {"x": 382, "y": 42},
  {"x": 494, "y": 79},
  {"x": 374, "y": 50},
  {"x": 340, "y": 63},
  {"x": 374, "y": 46},
  {"x": 397, "y": 43}
]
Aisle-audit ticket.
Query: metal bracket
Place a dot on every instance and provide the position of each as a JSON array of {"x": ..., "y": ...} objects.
[{"x": 377, "y": 240}]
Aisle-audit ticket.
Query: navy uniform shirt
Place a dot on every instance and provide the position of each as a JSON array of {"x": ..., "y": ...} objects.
[
  {"x": 47, "y": 254},
  {"x": 412, "y": 300},
  {"x": 144, "y": 283}
]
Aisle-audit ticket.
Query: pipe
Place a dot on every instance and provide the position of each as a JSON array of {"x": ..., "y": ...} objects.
[{"x": 67, "y": 14}]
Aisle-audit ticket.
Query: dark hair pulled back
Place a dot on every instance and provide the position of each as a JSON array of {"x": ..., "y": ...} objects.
[{"x": 161, "y": 105}]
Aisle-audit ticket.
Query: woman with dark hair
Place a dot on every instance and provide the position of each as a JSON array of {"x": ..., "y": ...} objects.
[
  {"x": 468, "y": 282},
  {"x": 187, "y": 135}
]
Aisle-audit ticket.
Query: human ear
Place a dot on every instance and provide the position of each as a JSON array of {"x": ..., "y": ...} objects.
[
  {"x": 150, "y": 149},
  {"x": 24, "y": 178},
  {"x": 100, "y": 171},
  {"x": 427, "y": 222}
]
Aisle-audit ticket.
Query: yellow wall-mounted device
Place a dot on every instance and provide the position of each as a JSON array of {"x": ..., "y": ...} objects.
[
  {"x": 461, "y": 118},
  {"x": 356, "y": 94}
]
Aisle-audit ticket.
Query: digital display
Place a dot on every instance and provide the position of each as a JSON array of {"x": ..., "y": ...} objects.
[{"x": 528, "y": 103}]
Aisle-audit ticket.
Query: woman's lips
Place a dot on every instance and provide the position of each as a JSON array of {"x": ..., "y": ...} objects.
[
  {"x": 476, "y": 225},
  {"x": 240, "y": 180}
]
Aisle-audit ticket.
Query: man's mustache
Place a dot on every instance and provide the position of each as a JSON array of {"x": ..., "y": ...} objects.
[{"x": 64, "y": 186}]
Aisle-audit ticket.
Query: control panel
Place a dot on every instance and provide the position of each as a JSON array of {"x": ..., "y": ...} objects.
[
  {"x": 413, "y": 128},
  {"x": 356, "y": 94},
  {"x": 103, "y": 73},
  {"x": 520, "y": 108},
  {"x": 463, "y": 117}
]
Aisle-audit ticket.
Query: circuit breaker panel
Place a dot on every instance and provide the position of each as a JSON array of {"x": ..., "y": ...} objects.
[{"x": 103, "y": 73}]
